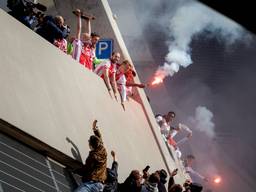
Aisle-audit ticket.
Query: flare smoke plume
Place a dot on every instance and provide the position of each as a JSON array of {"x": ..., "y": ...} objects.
[
  {"x": 188, "y": 21},
  {"x": 202, "y": 121}
]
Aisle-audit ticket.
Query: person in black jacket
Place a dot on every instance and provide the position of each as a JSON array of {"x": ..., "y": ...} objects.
[
  {"x": 52, "y": 28},
  {"x": 161, "y": 184},
  {"x": 111, "y": 183},
  {"x": 132, "y": 182}
]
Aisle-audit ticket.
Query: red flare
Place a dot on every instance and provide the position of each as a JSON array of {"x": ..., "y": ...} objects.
[
  {"x": 217, "y": 180},
  {"x": 157, "y": 80}
]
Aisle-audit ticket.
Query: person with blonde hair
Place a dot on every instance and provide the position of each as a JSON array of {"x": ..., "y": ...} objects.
[
  {"x": 84, "y": 43},
  {"x": 121, "y": 80}
]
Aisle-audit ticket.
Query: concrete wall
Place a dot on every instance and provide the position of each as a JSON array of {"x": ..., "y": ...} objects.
[{"x": 46, "y": 94}]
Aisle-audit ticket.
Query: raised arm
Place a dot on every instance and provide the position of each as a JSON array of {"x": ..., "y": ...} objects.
[
  {"x": 106, "y": 79},
  {"x": 95, "y": 129},
  {"x": 114, "y": 84},
  {"x": 79, "y": 23},
  {"x": 131, "y": 84},
  {"x": 87, "y": 26},
  {"x": 193, "y": 172},
  {"x": 171, "y": 179},
  {"x": 187, "y": 129},
  {"x": 114, "y": 167}
]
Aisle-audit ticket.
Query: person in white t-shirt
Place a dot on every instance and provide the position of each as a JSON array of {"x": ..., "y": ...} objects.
[
  {"x": 188, "y": 167},
  {"x": 164, "y": 122}
]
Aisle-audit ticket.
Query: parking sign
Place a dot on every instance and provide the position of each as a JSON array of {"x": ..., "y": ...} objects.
[{"x": 104, "y": 48}]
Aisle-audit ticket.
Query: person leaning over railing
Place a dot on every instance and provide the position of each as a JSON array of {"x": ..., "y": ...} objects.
[
  {"x": 121, "y": 79},
  {"x": 129, "y": 83},
  {"x": 107, "y": 71}
]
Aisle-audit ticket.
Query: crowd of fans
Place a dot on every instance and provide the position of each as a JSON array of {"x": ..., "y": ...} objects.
[
  {"x": 97, "y": 177},
  {"x": 169, "y": 131},
  {"x": 118, "y": 77}
]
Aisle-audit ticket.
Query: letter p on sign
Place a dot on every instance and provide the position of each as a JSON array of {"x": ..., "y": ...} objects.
[{"x": 104, "y": 49}]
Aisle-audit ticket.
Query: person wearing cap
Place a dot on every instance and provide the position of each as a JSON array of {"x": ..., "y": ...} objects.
[{"x": 93, "y": 172}]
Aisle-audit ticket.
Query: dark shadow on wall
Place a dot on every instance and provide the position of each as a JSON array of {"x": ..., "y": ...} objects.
[{"x": 74, "y": 150}]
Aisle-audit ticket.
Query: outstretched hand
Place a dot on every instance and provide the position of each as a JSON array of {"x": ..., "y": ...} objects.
[
  {"x": 141, "y": 85},
  {"x": 174, "y": 172},
  {"x": 123, "y": 106},
  {"x": 94, "y": 124},
  {"x": 116, "y": 97},
  {"x": 77, "y": 12},
  {"x": 189, "y": 135},
  {"x": 113, "y": 154}
]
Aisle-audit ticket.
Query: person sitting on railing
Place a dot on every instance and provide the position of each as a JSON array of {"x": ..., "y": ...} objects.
[
  {"x": 93, "y": 172},
  {"x": 164, "y": 122},
  {"x": 84, "y": 43},
  {"x": 129, "y": 75},
  {"x": 122, "y": 69}
]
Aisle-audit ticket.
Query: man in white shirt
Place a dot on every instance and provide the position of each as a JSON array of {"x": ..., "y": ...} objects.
[{"x": 188, "y": 167}]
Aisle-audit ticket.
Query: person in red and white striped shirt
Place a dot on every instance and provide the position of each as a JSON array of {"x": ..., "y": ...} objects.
[
  {"x": 84, "y": 43},
  {"x": 107, "y": 71}
]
